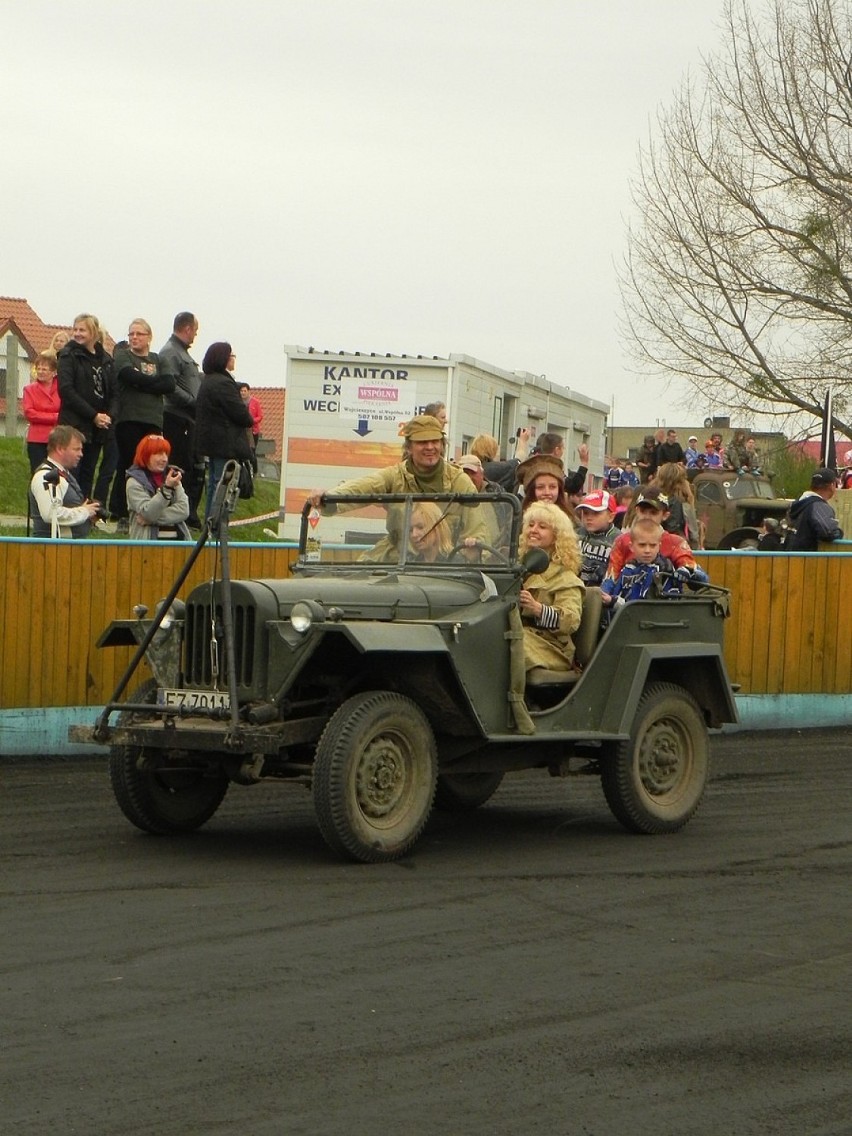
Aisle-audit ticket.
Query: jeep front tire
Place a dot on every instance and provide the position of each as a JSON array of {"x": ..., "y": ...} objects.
[
  {"x": 155, "y": 795},
  {"x": 374, "y": 776}
]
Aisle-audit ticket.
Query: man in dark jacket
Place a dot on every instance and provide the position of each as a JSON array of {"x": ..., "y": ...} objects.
[
  {"x": 554, "y": 444},
  {"x": 813, "y": 516},
  {"x": 179, "y": 414},
  {"x": 670, "y": 450}
]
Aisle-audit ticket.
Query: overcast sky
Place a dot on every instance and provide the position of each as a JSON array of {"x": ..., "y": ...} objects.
[{"x": 406, "y": 176}]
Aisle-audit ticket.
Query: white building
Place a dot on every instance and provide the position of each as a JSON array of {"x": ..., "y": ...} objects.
[{"x": 343, "y": 413}]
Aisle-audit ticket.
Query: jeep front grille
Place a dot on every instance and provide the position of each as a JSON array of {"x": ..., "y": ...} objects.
[{"x": 198, "y": 661}]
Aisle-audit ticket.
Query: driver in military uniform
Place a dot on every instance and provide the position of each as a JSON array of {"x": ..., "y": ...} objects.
[{"x": 423, "y": 469}]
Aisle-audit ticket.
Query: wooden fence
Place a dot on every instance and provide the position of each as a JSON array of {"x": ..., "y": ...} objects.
[{"x": 790, "y": 630}]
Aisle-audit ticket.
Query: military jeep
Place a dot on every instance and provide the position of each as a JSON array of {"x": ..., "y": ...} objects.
[
  {"x": 732, "y": 506},
  {"x": 386, "y": 685}
]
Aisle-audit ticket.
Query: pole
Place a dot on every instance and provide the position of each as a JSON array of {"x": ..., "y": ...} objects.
[{"x": 11, "y": 386}]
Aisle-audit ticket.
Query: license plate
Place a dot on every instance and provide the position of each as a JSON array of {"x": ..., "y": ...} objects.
[{"x": 194, "y": 699}]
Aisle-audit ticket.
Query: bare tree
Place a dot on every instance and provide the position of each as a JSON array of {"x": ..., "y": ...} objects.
[{"x": 737, "y": 275}]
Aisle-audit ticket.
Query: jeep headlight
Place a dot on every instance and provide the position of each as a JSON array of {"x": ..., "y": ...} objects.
[{"x": 304, "y": 614}]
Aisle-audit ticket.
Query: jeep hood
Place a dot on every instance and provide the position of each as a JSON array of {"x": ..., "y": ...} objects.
[{"x": 385, "y": 596}]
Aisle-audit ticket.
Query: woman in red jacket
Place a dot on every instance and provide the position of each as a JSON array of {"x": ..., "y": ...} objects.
[{"x": 41, "y": 407}]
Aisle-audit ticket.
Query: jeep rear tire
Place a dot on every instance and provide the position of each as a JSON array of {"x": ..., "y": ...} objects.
[
  {"x": 161, "y": 800},
  {"x": 459, "y": 792},
  {"x": 374, "y": 776},
  {"x": 654, "y": 781}
]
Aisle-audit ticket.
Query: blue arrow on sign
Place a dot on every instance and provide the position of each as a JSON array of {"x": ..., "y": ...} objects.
[{"x": 363, "y": 427}]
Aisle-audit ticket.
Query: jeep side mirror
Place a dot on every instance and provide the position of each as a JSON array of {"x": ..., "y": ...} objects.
[{"x": 535, "y": 562}]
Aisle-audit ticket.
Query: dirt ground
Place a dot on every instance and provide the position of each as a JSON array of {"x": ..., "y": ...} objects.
[{"x": 530, "y": 969}]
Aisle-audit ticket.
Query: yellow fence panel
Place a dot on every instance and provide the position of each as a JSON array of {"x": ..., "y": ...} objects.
[{"x": 790, "y": 629}]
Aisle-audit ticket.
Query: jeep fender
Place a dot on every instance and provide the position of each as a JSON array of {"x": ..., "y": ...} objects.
[
  {"x": 163, "y": 653},
  {"x": 701, "y": 671}
]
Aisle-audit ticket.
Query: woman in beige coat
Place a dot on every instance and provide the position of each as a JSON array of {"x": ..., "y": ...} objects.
[{"x": 551, "y": 602}]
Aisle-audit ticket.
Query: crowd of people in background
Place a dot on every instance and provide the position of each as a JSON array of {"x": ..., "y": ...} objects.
[
  {"x": 126, "y": 438},
  {"x": 742, "y": 455},
  {"x": 149, "y": 428},
  {"x": 129, "y": 435}
]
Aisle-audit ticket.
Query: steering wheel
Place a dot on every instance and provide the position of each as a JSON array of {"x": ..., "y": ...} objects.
[{"x": 479, "y": 547}]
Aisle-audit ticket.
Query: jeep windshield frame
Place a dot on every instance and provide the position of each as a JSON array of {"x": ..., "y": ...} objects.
[
  {"x": 364, "y": 531},
  {"x": 744, "y": 486}
]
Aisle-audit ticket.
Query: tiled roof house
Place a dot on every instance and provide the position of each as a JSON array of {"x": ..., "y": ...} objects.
[
  {"x": 272, "y": 426},
  {"x": 19, "y": 319}
]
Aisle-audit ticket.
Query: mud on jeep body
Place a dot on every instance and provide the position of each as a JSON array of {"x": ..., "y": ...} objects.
[{"x": 388, "y": 686}]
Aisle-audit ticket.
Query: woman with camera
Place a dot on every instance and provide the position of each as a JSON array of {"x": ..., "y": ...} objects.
[{"x": 156, "y": 498}]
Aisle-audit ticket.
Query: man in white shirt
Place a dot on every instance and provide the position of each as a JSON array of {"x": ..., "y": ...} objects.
[{"x": 58, "y": 507}]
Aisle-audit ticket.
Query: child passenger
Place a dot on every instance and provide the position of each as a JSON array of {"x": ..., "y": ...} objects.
[
  {"x": 637, "y": 577},
  {"x": 596, "y": 534}
]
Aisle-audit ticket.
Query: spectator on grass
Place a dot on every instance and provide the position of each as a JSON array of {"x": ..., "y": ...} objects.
[
  {"x": 141, "y": 390},
  {"x": 87, "y": 394},
  {"x": 222, "y": 418},
  {"x": 256, "y": 412},
  {"x": 179, "y": 409},
  {"x": 155, "y": 494},
  {"x": 57, "y": 504},
  {"x": 772, "y": 536},
  {"x": 613, "y": 475},
  {"x": 41, "y": 406}
]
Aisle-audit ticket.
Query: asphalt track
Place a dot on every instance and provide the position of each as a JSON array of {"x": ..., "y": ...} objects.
[{"x": 530, "y": 969}]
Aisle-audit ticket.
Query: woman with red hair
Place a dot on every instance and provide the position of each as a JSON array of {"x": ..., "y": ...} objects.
[{"x": 156, "y": 499}]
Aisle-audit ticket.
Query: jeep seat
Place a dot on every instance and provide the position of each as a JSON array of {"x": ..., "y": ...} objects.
[{"x": 585, "y": 640}]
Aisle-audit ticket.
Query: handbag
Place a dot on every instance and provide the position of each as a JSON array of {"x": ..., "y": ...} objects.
[{"x": 246, "y": 480}]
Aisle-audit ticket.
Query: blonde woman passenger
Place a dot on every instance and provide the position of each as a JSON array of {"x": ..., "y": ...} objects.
[
  {"x": 429, "y": 536},
  {"x": 551, "y": 601}
]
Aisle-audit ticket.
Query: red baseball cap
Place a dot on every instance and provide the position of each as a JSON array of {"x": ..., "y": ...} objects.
[{"x": 598, "y": 501}]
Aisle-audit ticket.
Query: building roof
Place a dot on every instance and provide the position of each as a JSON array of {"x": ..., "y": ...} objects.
[
  {"x": 17, "y": 317},
  {"x": 272, "y": 427}
]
